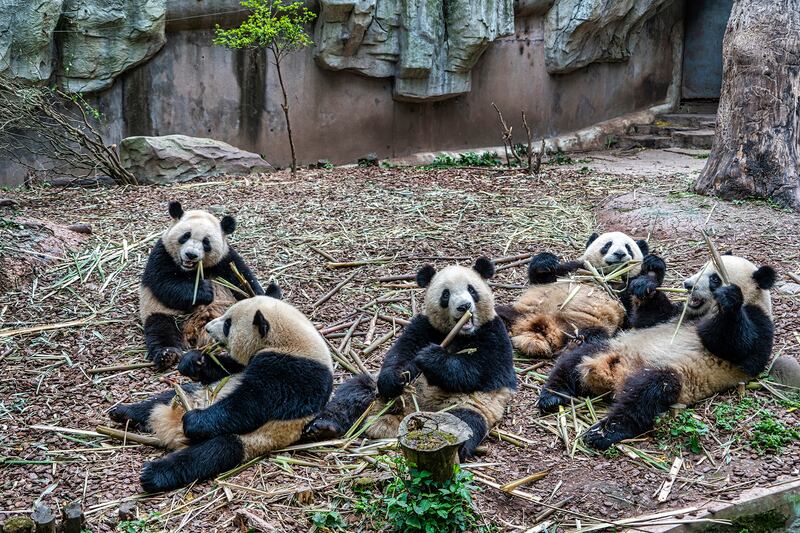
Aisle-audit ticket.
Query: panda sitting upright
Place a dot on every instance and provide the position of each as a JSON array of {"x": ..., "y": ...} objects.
[
  {"x": 170, "y": 317},
  {"x": 277, "y": 376},
  {"x": 474, "y": 376},
  {"x": 725, "y": 338},
  {"x": 549, "y": 313}
]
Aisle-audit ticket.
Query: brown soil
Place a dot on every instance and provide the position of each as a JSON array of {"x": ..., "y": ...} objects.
[{"x": 408, "y": 216}]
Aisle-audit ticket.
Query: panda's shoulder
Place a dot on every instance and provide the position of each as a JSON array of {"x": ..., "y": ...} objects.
[{"x": 286, "y": 365}]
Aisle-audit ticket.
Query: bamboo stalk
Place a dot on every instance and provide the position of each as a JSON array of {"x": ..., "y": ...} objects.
[
  {"x": 324, "y": 254},
  {"x": 456, "y": 329},
  {"x": 242, "y": 280},
  {"x": 197, "y": 278},
  {"x": 129, "y": 437},
  {"x": 508, "y": 487},
  {"x": 364, "y": 262},
  {"x": 716, "y": 258},
  {"x": 375, "y": 345},
  {"x": 181, "y": 396},
  {"x": 328, "y": 295}
]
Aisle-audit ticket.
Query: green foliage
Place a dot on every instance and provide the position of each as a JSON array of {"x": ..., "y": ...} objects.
[
  {"x": 328, "y": 521},
  {"x": 560, "y": 158},
  {"x": 727, "y": 416},
  {"x": 770, "y": 435},
  {"x": 413, "y": 502},
  {"x": 687, "y": 428},
  {"x": 468, "y": 159},
  {"x": 271, "y": 24}
]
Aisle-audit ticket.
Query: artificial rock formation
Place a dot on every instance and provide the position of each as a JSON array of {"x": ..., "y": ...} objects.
[
  {"x": 580, "y": 32},
  {"x": 178, "y": 158},
  {"x": 96, "y": 41},
  {"x": 428, "y": 46}
]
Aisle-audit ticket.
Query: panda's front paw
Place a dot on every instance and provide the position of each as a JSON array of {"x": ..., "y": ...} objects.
[
  {"x": 643, "y": 287},
  {"x": 195, "y": 426},
  {"x": 205, "y": 293},
  {"x": 729, "y": 298},
  {"x": 549, "y": 401},
  {"x": 602, "y": 436},
  {"x": 655, "y": 267},
  {"x": 391, "y": 384},
  {"x": 191, "y": 364},
  {"x": 429, "y": 356},
  {"x": 164, "y": 357},
  {"x": 542, "y": 268}
]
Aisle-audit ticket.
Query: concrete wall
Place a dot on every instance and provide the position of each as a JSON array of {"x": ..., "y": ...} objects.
[{"x": 195, "y": 88}]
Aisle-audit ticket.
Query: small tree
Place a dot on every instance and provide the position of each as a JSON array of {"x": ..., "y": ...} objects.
[{"x": 278, "y": 27}]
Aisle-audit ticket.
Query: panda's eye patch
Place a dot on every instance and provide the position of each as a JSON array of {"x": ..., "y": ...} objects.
[
  {"x": 444, "y": 300},
  {"x": 605, "y": 247},
  {"x": 714, "y": 281},
  {"x": 206, "y": 245},
  {"x": 630, "y": 251},
  {"x": 473, "y": 293},
  {"x": 185, "y": 237},
  {"x": 226, "y": 327}
]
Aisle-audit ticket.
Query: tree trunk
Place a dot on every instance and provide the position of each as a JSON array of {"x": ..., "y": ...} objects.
[{"x": 757, "y": 146}]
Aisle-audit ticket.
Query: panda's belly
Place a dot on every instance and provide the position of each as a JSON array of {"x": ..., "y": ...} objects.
[
  {"x": 590, "y": 306},
  {"x": 491, "y": 405},
  {"x": 701, "y": 373}
]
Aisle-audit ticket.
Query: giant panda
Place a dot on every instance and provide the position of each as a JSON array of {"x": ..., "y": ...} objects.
[
  {"x": 277, "y": 376},
  {"x": 725, "y": 338},
  {"x": 473, "y": 377},
  {"x": 170, "y": 318},
  {"x": 548, "y": 314}
]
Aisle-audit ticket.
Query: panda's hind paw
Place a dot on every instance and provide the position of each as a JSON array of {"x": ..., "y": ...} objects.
[
  {"x": 601, "y": 436},
  {"x": 157, "y": 476},
  {"x": 165, "y": 358},
  {"x": 322, "y": 429},
  {"x": 549, "y": 401}
]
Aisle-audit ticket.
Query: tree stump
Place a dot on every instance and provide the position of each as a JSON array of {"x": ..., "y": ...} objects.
[
  {"x": 43, "y": 518},
  {"x": 72, "y": 519},
  {"x": 756, "y": 150},
  {"x": 430, "y": 442}
]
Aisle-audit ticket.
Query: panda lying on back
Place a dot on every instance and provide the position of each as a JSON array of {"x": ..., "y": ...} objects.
[
  {"x": 281, "y": 376},
  {"x": 725, "y": 338},
  {"x": 541, "y": 323},
  {"x": 171, "y": 320},
  {"x": 474, "y": 375}
]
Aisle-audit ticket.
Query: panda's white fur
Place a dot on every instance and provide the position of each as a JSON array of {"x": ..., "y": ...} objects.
[
  {"x": 722, "y": 341},
  {"x": 459, "y": 281},
  {"x": 282, "y": 376},
  {"x": 610, "y": 250}
]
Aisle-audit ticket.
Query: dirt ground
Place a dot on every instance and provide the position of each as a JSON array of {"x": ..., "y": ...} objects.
[{"x": 83, "y": 313}]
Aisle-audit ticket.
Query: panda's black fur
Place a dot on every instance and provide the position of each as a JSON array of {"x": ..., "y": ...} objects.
[
  {"x": 726, "y": 337},
  {"x": 172, "y": 322},
  {"x": 277, "y": 376},
  {"x": 475, "y": 373}
]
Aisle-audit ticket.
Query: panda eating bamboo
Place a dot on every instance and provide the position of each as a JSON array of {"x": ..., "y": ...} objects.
[
  {"x": 277, "y": 376},
  {"x": 174, "y": 303},
  {"x": 473, "y": 377},
  {"x": 724, "y": 338}
]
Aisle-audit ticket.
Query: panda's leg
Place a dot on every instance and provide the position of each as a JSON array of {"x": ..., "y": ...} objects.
[
  {"x": 195, "y": 463},
  {"x": 138, "y": 414},
  {"x": 349, "y": 402},
  {"x": 565, "y": 381},
  {"x": 477, "y": 424},
  {"x": 645, "y": 395},
  {"x": 164, "y": 340}
]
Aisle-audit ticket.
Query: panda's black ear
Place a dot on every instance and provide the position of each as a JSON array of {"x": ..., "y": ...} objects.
[
  {"x": 593, "y": 237},
  {"x": 765, "y": 277},
  {"x": 228, "y": 224},
  {"x": 485, "y": 267},
  {"x": 643, "y": 246},
  {"x": 273, "y": 291},
  {"x": 425, "y": 275},
  {"x": 729, "y": 252},
  {"x": 261, "y": 323},
  {"x": 175, "y": 209}
]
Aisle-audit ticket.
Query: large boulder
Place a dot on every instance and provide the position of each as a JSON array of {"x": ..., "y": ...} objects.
[
  {"x": 26, "y": 37},
  {"x": 178, "y": 158},
  {"x": 580, "y": 32}
]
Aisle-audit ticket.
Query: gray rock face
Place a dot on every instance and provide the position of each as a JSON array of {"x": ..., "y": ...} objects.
[
  {"x": 103, "y": 38},
  {"x": 178, "y": 158},
  {"x": 26, "y": 37},
  {"x": 428, "y": 46},
  {"x": 786, "y": 371},
  {"x": 97, "y": 40},
  {"x": 580, "y": 32}
]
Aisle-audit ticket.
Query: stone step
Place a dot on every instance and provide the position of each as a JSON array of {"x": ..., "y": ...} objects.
[
  {"x": 699, "y": 106},
  {"x": 694, "y": 120},
  {"x": 645, "y": 141},
  {"x": 702, "y": 139}
]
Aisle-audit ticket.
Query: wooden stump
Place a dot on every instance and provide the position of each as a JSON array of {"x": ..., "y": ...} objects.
[
  {"x": 43, "y": 518},
  {"x": 756, "y": 151},
  {"x": 430, "y": 442},
  {"x": 72, "y": 520}
]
